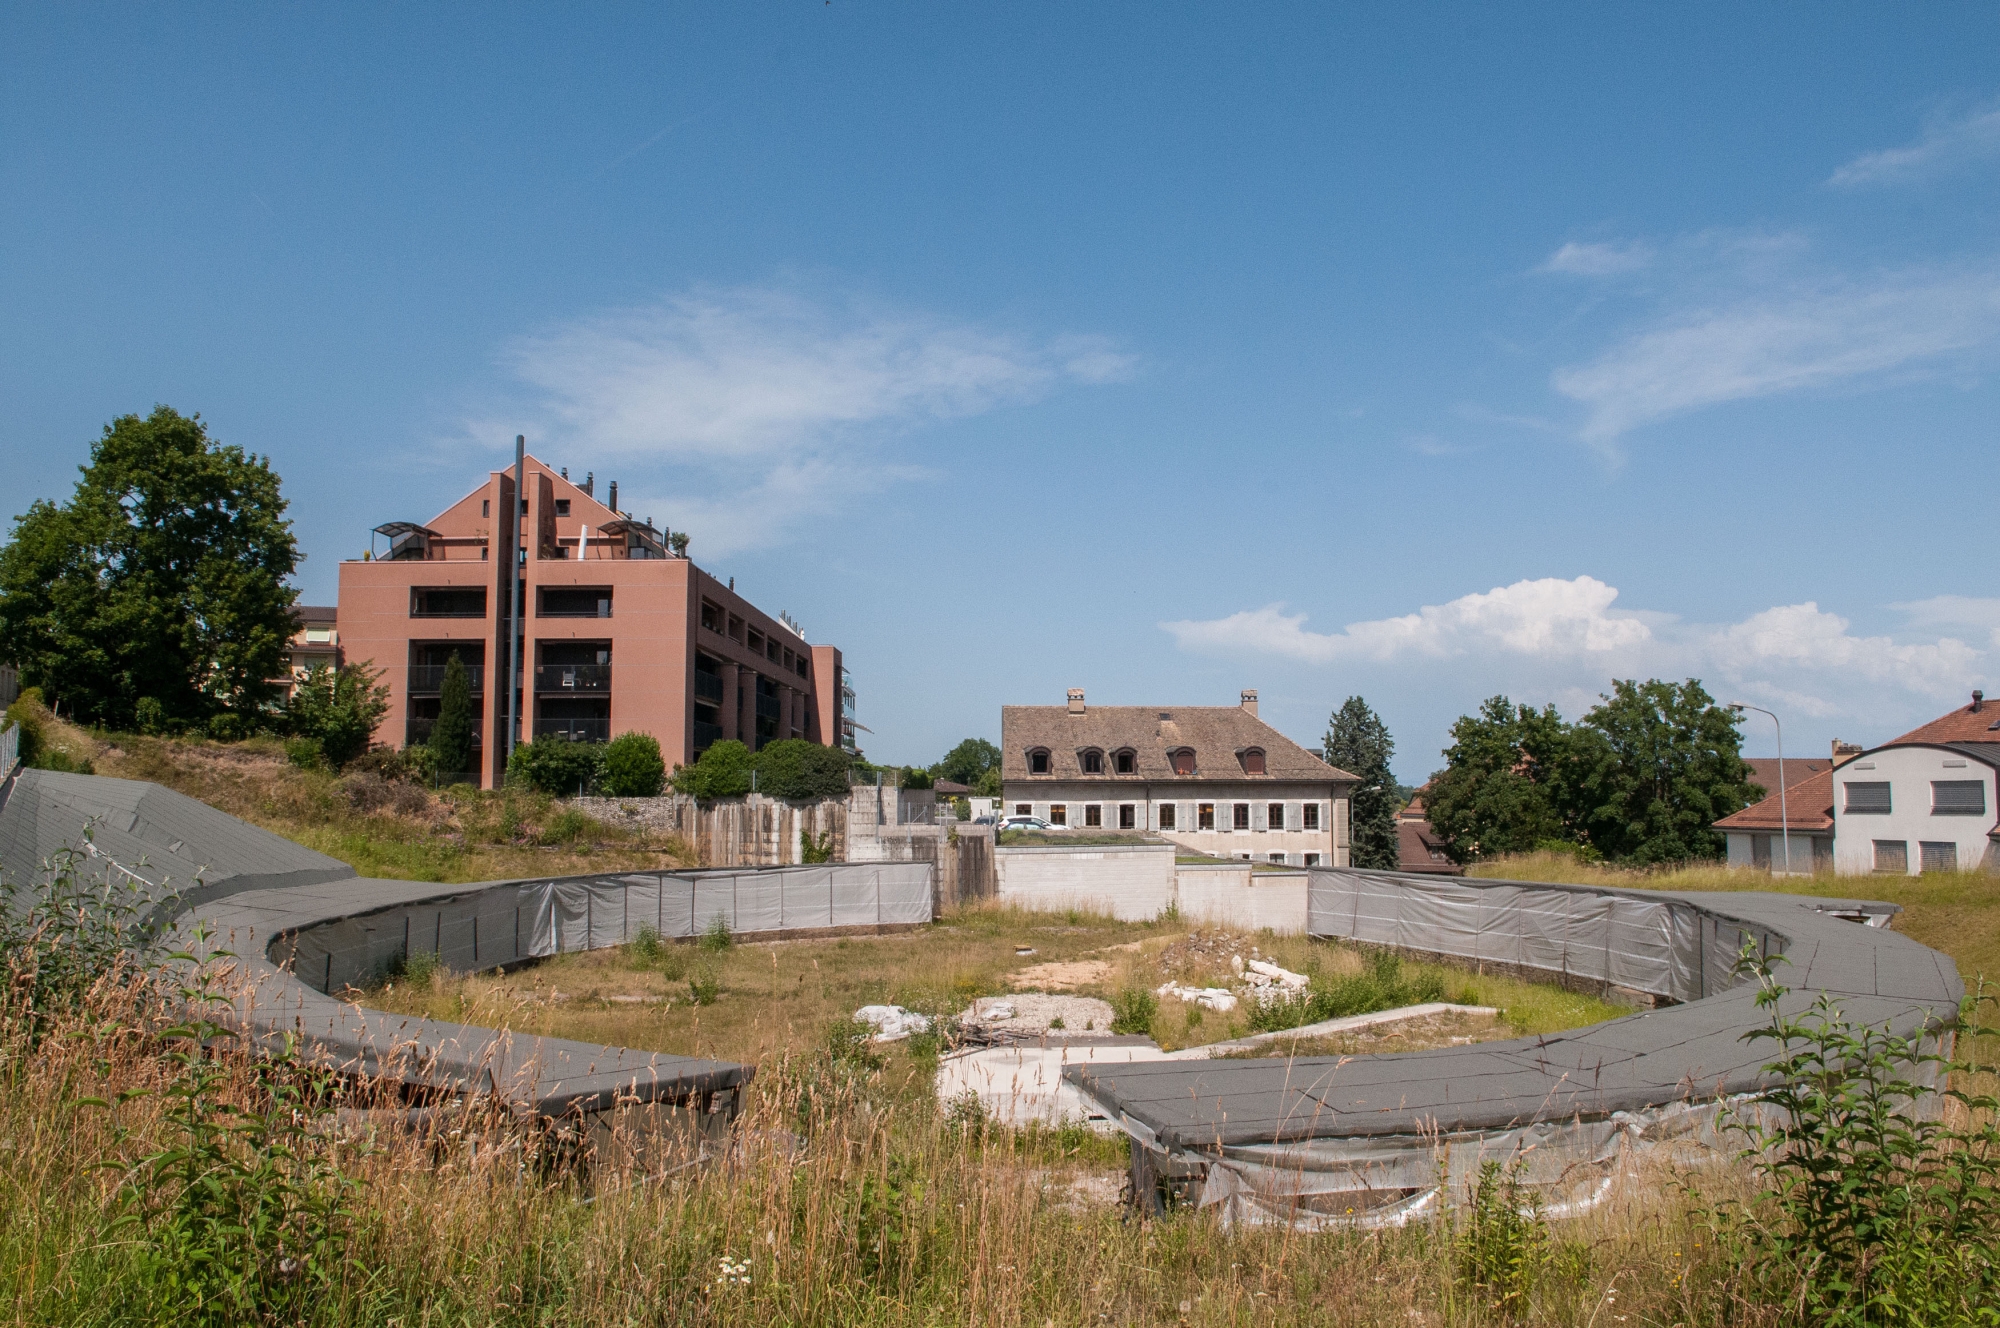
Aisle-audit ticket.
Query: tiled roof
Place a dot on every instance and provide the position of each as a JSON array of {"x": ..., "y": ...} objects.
[
  {"x": 1808, "y": 803},
  {"x": 1215, "y": 733},
  {"x": 1764, "y": 770},
  {"x": 1416, "y": 848},
  {"x": 1962, "y": 725},
  {"x": 313, "y": 613}
]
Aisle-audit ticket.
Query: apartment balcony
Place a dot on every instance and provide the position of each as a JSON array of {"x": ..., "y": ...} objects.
[
  {"x": 767, "y": 707},
  {"x": 417, "y": 731},
  {"x": 708, "y": 687},
  {"x": 428, "y": 679},
  {"x": 706, "y": 735},
  {"x": 573, "y": 679},
  {"x": 575, "y": 730}
]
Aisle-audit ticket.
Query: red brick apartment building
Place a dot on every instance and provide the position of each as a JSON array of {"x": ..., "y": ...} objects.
[{"x": 620, "y": 631}]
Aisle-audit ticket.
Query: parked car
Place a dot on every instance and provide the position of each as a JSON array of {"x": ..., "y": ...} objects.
[{"x": 1029, "y": 823}]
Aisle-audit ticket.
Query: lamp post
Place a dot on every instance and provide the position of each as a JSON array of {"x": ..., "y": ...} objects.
[{"x": 1784, "y": 816}]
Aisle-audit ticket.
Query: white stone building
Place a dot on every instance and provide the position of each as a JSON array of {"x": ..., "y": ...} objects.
[{"x": 1213, "y": 779}]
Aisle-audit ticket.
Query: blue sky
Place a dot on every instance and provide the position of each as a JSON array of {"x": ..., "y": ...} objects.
[{"x": 1157, "y": 350}]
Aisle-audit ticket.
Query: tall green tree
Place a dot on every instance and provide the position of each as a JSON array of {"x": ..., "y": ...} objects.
[
  {"x": 340, "y": 707},
  {"x": 451, "y": 736},
  {"x": 1655, "y": 765},
  {"x": 1503, "y": 788},
  {"x": 968, "y": 762},
  {"x": 163, "y": 576},
  {"x": 1358, "y": 742}
]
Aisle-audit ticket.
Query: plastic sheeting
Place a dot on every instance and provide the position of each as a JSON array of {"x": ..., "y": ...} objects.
[{"x": 488, "y": 926}]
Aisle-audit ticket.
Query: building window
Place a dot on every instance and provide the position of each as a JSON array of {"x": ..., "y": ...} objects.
[
  {"x": 1024, "y": 809},
  {"x": 1937, "y": 857},
  {"x": 1867, "y": 799},
  {"x": 1957, "y": 797},
  {"x": 1892, "y": 856},
  {"x": 1128, "y": 816},
  {"x": 1240, "y": 818},
  {"x": 1038, "y": 761},
  {"x": 576, "y": 602},
  {"x": 448, "y": 602},
  {"x": 1204, "y": 816},
  {"x": 486, "y": 507},
  {"x": 1243, "y": 857},
  {"x": 1278, "y": 858},
  {"x": 756, "y": 642},
  {"x": 1275, "y": 816},
  {"x": 1093, "y": 815},
  {"x": 1253, "y": 761},
  {"x": 562, "y": 509},
  {"x": 1312, "y": 859},
  {"x": 711, "y": 617},
  {"x": 735, "y": 627},
  {"x": 1093, "y": 763},
  {"x": 1125, "y": 763},
  {"x": 800, "y": 667},
  {"x": 1166, "y": 816},
  {"x": 1058, "y": 813},
  {"x": 1183, "y": 761},
  {"x": 1309, "y": 816}
]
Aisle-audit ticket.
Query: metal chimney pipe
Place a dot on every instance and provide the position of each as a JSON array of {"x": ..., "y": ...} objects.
[{"x": 613, "y": 504}]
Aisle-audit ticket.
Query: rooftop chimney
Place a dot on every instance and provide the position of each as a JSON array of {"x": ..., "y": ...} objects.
[
  {"x": 1076, "y": 700},
  {"x": 1250, "y": 700},
  {"x": 589, "y": 483},
  {"x": 1844, "y": 752},
  {"x": 1978, "y": 701},
  {"x": 613, "y": 503},
  {"x": 565, "y": 472}
]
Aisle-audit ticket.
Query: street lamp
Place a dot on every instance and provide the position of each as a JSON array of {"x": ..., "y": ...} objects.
[{"x": 1784, "y": 817}]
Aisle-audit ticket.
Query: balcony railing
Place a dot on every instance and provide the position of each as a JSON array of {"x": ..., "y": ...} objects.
[
  {"x": 706, "y": 735},
  {"x": 430, "y": 677},
  {"x": 708, "y": 686},
  {"x": 575, "y": 730},
  {"x": 418, "y": 731},
  {"x": 574, "y": 679},
  {"x": 767, "y": 707}
]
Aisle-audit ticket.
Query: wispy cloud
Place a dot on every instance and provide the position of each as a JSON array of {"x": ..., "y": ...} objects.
[
  {"x": 1948, "y": 142},
  {"x": 1773, "y": 337},
  {"x": 755, "y": 400},
  {"x": 1598, "y": 259},
  {"x": 1568, "y": 634}
]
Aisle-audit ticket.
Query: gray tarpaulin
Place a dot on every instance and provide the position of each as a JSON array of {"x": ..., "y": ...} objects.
[{"x": 1331, "y": 1140}]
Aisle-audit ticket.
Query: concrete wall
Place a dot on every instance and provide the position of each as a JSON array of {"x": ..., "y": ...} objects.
[
  {"x": 754, "y": 831},
  {"x": 1911, "y": 822},
  {"x": 1133, "y": 883},
  {"x": 1234, "y": 895},
  {"x": 1809, "y": 852},
  {"x": 1287, "y": 838}
]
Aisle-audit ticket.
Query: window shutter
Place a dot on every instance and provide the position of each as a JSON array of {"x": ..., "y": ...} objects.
[
  {"x": 1867, "y": 798},
  {"x": 1958, "y": 797}
]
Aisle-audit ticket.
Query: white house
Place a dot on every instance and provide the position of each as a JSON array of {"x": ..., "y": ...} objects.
[
  {"x": 1213, "y": 779},
  {"x": 1924, "y": 802}
]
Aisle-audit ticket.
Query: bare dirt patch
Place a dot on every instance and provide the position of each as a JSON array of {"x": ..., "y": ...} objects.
[
  {"x": 1063, "y": 975},
  {"x": 1424, "y": 1033}
]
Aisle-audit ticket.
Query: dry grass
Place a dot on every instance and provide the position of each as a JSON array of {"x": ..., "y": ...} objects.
[{"x": 386, "y": 828}]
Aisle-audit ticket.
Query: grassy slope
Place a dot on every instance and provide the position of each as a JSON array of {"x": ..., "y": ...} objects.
[{"x": 381, "y": 828}]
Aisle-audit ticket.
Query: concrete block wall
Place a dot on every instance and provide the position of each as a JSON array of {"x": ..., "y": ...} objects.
[
  {"x": 1133, "y": 883},
  {"x": 1231, "y": 894}
]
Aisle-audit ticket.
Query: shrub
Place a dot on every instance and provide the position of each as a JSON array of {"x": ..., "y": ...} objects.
[
  {"x": 1502, "y": 1246},
  {"x": 557, "y": 766},
  {"x": 1381, "y": 986},
  {"x": 149, "y": 716},
  {"x": 799, "y": 770},
  {"x": 704, "y": 986},
  {"x": 723, "y": 771},
  {"x": 305, "y": 753},
  {"x": 1132, "y": 1010},
  {"x": 450, "y": 746},
  {"x": 340, "y": 707},
  {"x": 28, "y": 711},
  {"x": 70, "y": 929},
  {"x": 229, "y": 726},
  {"x": 715, "y": 938},
  {"x": 633, "y": 767},
  {"x": 816, "y": 848},
  {"x": 915, "y": 778},
  {"x": 566, "y": 827}
]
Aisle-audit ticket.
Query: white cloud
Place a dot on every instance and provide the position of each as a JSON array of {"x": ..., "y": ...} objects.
[
  {"x": 1565, "y": 639},
  {"x": 1946, "y": 143},
  {"x": 1546, "y": 618},
  {"x": 1598, "y": 260},
  {"x": 1784, "y": 339},
  {"x": 755, "y": 406}
]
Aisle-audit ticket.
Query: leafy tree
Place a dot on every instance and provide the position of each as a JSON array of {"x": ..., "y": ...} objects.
[
  {"x": 723, "y": 771},
  {"x": 797, "y": 769},
  {"x": 989, "y": 784},
  {"x": 633, "y": 767},
  {"x": 340, "y": 707},
  {"x": 1358, "y": 742},
  {"x": 163, "y": 577},
  {"x": 915, "y": 777},
  {"x": 557, "y": 766},
  {"x": 1655, "y": 765},
  {"x": 451, "y": 736},
  {"x": 968, "y": 762},
  {"x": 1501, "y": 789}
]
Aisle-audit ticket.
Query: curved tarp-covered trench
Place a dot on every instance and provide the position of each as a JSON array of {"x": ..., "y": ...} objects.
[
  {"x": 1331, "y": 1141},
  {"x": 299, "y": 925}
]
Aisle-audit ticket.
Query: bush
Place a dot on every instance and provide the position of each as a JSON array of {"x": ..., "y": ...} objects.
[
  {"x": 557, "y": 766},
  {"x": 799, "y": 770},
  {"x": 28, "y": 711},
  {"x": 1132, "y": 1011},
  {"x": 715, "y": 938},
  {"x": 149, "y": 716},
  {"x": 340, "y": 707},
  {"x": 814, "y": 848},
  {"x": 229, "y": 726},
  {"x": 450, "y": 746},
  {"x": 1382, "y": 986},
  {"x": 917, "y": 779},
  {"x": 305, "y": 753},
  {"x": 704, "y": 986},
  {"x": 723, "y": 771},
  {"x": 633, "y": 767}
]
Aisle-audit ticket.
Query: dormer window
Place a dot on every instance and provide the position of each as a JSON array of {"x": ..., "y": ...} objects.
[
  {"x": 1093, "y": 762},
  {"x": 1038, "y": 761},
  {"x": 1125, "y": 762},
  {"x": 1183, "y": 759},
  {"x": 1253, "y": 760}
]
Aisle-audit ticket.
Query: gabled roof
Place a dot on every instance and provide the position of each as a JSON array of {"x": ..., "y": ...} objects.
[
  {"x": 1965, "y": 724},
  {"x": 1764, "y": 770},
  {"x": 1216, "y": 734},
  {"x": 1808, "y": 804},
  {"x": 1417, "y": 847}
]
